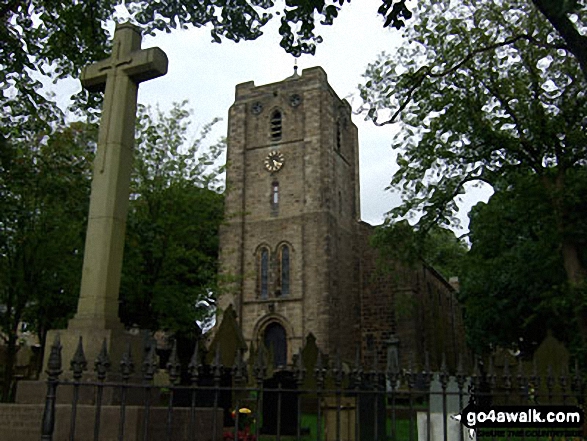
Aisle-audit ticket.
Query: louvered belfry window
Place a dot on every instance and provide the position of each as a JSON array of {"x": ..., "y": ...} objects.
[{"x": 275, "y": 126}]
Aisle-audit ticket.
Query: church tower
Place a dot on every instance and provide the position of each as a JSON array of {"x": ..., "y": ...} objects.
[{"x": 288, "y": 248}]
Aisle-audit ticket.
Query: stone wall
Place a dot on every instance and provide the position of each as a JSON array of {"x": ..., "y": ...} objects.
[{"x": 416, "y": 304}]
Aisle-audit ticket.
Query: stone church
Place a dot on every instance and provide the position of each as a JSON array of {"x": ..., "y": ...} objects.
[{"x": 294, "y": 253}]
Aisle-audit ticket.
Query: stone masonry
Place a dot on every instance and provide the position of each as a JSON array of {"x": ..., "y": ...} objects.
[{"x": 311, "y": 206}]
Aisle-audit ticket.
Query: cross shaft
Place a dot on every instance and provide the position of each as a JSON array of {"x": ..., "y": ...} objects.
[{"x": 118, "y": 76}]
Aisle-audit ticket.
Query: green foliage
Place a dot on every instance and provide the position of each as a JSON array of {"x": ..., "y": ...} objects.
[
  {"x": 56, "y": 39},
  {"x": 566, "y": 16},
  {"x": 484, "y": 94},
  {"x": 489, "y": 92},
  {"x": 514, "y": 286},
  {"x": 170, "y": 262},
  {"x": 438, "y": 247},
  {"x": 44, "y": 190}
]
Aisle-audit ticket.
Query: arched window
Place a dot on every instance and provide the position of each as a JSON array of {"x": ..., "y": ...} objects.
[
  {"x": 275, "y": 126},
  {"x": 274, "y": 194},
  {"x": 264, "y": 273},
  {"x": 284, "y": 270},
  {"x": 275, "y": 339}
]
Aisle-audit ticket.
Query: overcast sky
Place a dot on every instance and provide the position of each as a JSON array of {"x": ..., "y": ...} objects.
[{"x": 206, "y": 74}]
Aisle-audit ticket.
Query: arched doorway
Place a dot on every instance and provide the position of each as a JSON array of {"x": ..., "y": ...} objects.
[{"x": 275, "y": 339}]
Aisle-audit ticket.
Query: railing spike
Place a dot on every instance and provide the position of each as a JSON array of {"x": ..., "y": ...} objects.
[
  {"x": 522, "y": 380},
  {"x": 78, "y": 363},
  {"x": 535, "y": 378},
  {"x": 491, "y": 373},
  {"x": 149, "y": 367},
  {"x": 507, "y": 377},
  {"x": 195, "y": 364},
  {"x": 338, "y": 371},
  {"x": 549, "y": 379},
  {"x": 240, "y": 368},
  {"x": 54, "y": 363},
  {"x": 460, "y": 367},
  {"x": 319, "y": 370},
  {"x": 173, "y": 365},
  {"x": 563, "y": 379},
  {"x": 127, "y": 367},
  {"x": 299, "y": 369},
  {"x": 102, "y": 362},
  {"x": 217, "y": 365},
  {"x": 576, "y": 384},
  {"x": 460, "y": 374},
  {"x": 357, "y": 369},
  {"x": 375, "y": 374},
  {"x": 444, "y": 376},
  {"x": 409, "y": 374},
  {"x": 260, "y": 367}
]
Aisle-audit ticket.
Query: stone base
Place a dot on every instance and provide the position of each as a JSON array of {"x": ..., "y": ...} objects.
[
  {"x": 22, "y": 422},
  {"x": 117, "y": 341},
  {"x": 35, "y": 392}
]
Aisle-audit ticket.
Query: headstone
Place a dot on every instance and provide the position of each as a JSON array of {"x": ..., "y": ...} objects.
[
  {"x": 437, "y": 428},
  {"x": 339, "y": 420},
  {"x": 24, "y": 361},
  {"x": 452, "y": 396},
  {"x": 553, "y": 353},
  {"x": 119, "y": 76},
  {"x": 551, "y": 358},
  {"x": 228, "y": 340},
  {"x": 453, "y": 407}
]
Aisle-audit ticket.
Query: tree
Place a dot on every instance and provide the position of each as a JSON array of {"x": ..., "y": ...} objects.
[
  {"x": 58, "y": 38},
  {"x": 439, "y": 247},
  {"x": 566, "y": 16},
  {"x": 487, "y": 92},
  {"x": 170, "y": 261},
  {"x": 44, "y": 190},
  {"x": 513, "y": 283}
]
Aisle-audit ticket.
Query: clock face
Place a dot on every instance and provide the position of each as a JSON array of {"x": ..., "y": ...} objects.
[
  {"x": 257, "y": 108},
  {"x": 274, "y": 161},
  {"x": 295, "y": 100}
]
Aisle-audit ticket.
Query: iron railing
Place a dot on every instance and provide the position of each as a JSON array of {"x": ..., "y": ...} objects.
[{"x": 321, "y": 399}]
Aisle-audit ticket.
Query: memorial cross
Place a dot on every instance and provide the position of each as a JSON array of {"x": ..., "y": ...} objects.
[{"x": 118, "y": 76}]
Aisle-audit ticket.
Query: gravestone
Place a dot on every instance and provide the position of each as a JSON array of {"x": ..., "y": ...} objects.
[
  {"x": 550, "y": 358},
  {"x": 340, "y": 419},
  {"x": 551, "y": 353},
  {"x": 453, "y": 406},
  {"x": 453, "y": 427},
  {"x": 452, "y": 396},
  {"x": 228, "y": 340}
]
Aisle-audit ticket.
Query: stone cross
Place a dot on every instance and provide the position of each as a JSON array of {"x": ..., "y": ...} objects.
[{"x": 118, "y": 76}]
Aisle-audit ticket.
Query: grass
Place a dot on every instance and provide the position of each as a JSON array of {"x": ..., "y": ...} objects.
[{"x": 402, "y": 433}]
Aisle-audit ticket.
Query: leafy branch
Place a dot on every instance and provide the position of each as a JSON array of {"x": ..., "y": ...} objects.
[{"x": 425, "y": 72}]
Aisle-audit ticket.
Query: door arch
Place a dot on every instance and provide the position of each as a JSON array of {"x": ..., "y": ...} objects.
[{"x": 275, "y": 337}]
